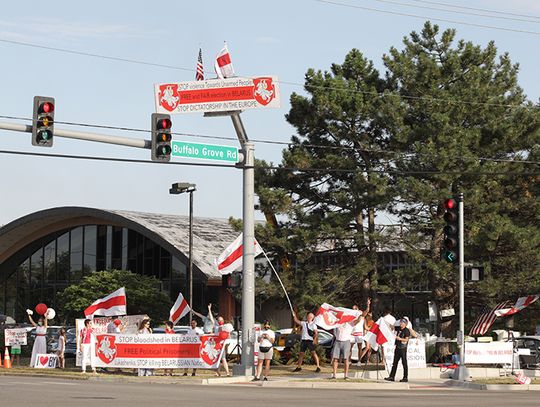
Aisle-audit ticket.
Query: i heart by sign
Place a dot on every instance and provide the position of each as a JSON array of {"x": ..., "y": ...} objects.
[{"x": 46, "y": 361}]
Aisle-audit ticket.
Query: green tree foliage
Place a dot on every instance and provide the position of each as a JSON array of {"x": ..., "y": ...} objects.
[
  {"x": 142, "y": 293},
  {"x": 460, "y": 104}
]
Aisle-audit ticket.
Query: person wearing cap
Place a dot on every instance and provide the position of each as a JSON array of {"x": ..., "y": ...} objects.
[
  {"x": 114, "y": 327},
  {"x": 400, "y": 353}
]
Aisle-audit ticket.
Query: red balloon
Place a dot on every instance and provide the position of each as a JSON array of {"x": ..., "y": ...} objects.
[
  {"x": 41, "y": 309},
  {"x": 223, "y": 335}
]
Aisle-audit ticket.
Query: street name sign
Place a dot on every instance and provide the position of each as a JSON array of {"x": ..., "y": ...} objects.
[
  {"x": 204, "y": 151},
  {"x": 217, "y": 95}
]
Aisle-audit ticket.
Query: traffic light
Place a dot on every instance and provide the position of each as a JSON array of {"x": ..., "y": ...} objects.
[
  {"x": 233, "y": 280},
  {"x": 43, "y": 121},
  {"x": 161, "y": 137},
  {"x": 450, "y": 250}
]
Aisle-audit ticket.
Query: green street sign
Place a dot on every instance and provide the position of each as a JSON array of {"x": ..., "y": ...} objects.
[{"x": 204, "y": 151}]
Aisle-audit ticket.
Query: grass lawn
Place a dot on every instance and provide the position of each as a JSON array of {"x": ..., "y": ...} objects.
[{"x": 503, "y": 380}]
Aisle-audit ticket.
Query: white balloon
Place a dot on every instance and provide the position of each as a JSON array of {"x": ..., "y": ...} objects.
[
  {"x": 50, "y": 313},
  {"x": 29, "y": 312},
  {"x": 227, "y": 327}
]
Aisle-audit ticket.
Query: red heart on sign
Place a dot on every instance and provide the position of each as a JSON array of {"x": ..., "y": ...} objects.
[{"x": 43, "y": 360}]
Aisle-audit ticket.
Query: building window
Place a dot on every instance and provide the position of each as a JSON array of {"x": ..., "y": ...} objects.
[
  {"x": 90, "y": 248},
  {"x": 76, "y": 257}
]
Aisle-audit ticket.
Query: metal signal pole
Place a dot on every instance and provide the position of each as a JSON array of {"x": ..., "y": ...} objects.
[{"x": 463, "y": 372}]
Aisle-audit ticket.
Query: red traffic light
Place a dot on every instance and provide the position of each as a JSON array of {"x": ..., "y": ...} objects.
[
  {"x": 450, "y": 203},
  {"x": 164, "y": 124},
  {"x": 46, "y": 107}
]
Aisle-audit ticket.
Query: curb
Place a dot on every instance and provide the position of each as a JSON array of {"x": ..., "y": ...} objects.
[
  {"x": 493, "y": 387},
  {"x": 336, "y": 385}
]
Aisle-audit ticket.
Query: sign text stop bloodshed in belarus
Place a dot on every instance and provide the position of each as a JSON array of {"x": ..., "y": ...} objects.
[{"x": 217, "y": 95}]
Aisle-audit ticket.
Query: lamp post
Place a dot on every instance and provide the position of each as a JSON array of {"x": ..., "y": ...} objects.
[{"x": 176, "y": 189}]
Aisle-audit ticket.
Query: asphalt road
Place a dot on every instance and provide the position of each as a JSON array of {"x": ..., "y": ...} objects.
[{"x": 23, "y": 391}]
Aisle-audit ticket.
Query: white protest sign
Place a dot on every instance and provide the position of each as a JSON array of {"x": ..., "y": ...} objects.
[
  {"x": 488, "y": 353},
  {"x": 217, "y": 95},
  {"x": 44, "y": 361},
  {"x": 416, "y": 354},
  {"x": 15, "y": 336}
]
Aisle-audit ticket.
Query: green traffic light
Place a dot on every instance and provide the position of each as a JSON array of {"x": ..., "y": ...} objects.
[{"x": 450, "y": 256}]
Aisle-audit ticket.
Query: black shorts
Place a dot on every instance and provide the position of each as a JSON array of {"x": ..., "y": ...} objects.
[{"x": 306, "y": 344}]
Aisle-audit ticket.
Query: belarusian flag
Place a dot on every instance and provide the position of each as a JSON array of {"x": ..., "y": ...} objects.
[
  {"x": 231, "y": 258},
  {"x": 179, "y": 309},
  {"x": 379, "y": 334}
]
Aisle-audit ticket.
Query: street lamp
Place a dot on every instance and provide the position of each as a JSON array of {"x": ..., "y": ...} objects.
[{"x": 176, "y": 189}]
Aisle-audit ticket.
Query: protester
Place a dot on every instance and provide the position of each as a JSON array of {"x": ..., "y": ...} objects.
[
  {"x": 195, "y": 330},
  {"x": 266, "y": 351},
  {"x": 169, "y": 330},
  {"x": 145, "y": 329},
  {"x": 114, "y": 327},
  {"x": 40, "y": 342},
  {"x": 87, "y": 346},
  {"x": 308, "y": 341},
  {"x": 390, "y": 320},
  {"x": 61, "y": 348},
  {"x": 358, "y": 333},
  {"x": 342, "y": 344},
  {"x": 15, "y": 354},
  {"x": 414, "y": 334},
  {"x": 207, "y": 324},
  {"x": 218, "y": 327},
  {"x": 400, "y": 353}
]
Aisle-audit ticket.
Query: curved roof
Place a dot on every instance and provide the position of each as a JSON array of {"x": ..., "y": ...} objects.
[{"x": 210, "y": 236}]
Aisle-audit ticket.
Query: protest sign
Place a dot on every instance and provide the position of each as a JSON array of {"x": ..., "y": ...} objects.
[
  {"x": 416, "y": 354},
  {"x": 488, "y": 352},
  {"x": 159, "y": 351},
  {"x": 44, "y": 361},
  {"x": 15, "y": 336}
]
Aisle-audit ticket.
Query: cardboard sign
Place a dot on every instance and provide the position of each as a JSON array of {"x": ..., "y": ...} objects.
[
  {"x": 16, "y": 336},
  {"x": 46, "y": 361},
  {"x": 488, "y": 352},
  {"x": 416, "y": 354},
  {"x": 217, "y": 95},
  {"x": 159, "y": 351}
]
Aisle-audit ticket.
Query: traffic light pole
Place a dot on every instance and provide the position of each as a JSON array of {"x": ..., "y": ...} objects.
[
  {"x": 463, "y": 373},
  {"x": 246, "y": 368},
  {"x": 80, "y": 135}
]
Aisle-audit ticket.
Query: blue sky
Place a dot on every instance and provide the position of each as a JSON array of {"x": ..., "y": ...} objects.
[{"x": 282, "y": 38}]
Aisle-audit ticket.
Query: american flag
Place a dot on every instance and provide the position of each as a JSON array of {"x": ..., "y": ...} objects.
[
  {"x": 199, "y": 76},
  {"x": 486, "y": 319}
]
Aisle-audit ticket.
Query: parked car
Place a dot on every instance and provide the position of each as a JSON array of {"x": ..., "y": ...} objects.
[
  {"x": 71, "y": 345},
  {"x": 532, "y": 343},
  {"x": 286, "y": 339}
]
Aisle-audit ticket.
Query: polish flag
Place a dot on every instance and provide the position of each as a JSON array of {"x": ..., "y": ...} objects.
[
  {"x": 522, "y": 302},
  {"x": 231, "y": 258},
  {"x": 330, "y": 317},
  {"x": 223, "y": 65},
  {"x": 179, "y": 309},
  {"x": 379, "y": 334},
  {"x": 112, "y": 305}
]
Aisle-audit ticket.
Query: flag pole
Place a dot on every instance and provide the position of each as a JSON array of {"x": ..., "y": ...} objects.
[{"x": 279, "y": 279}]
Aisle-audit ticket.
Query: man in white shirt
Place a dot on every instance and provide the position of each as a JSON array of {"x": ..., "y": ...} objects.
[
  {"x": 342, "y": 343},
  {"x": 308, "y": 340}
]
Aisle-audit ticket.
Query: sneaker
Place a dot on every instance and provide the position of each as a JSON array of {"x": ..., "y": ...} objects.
[
  {"x": 346, "y": 377},
  {"x": 333, "y": 377},
  {"x": 185, "y": 374},
  {"x": 265, "y": 379},
  {"x": 192, "y": 374},
  {"x": 404, "y": 380},
  {"x": 297, "y": 369},
  {"x": 389, "y": 379},
  {"x": 256, "y": 379},
  {"x": 318, "y": 370}
]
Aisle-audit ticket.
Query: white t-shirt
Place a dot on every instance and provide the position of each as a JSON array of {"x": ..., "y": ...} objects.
[
  {"x": 305, "y": 335},
  {"x": 197, "y": 331},
  {"x": 358, "y": 329},
  {"x": 344, "y": 331},
  {"x": 264, "y": 341}
]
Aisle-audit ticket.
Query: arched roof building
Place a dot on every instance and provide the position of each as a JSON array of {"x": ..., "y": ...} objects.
[{"x": 44, "y": 252}]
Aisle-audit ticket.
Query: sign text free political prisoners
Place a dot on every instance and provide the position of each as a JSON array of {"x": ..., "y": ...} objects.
[{"x": 217, "y": 95}]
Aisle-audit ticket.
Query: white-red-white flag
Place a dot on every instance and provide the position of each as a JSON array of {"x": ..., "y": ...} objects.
[
  {"x": 330, "y": 317},
  {"x": 179, "y": 309},
  {"x": 522, "y": 302},
  {"x": 223, "y": 65},
  {"x": 379, "y": 334},
  {"x": 112, "y": 305},
  {"x": 231, "y": 258}
]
